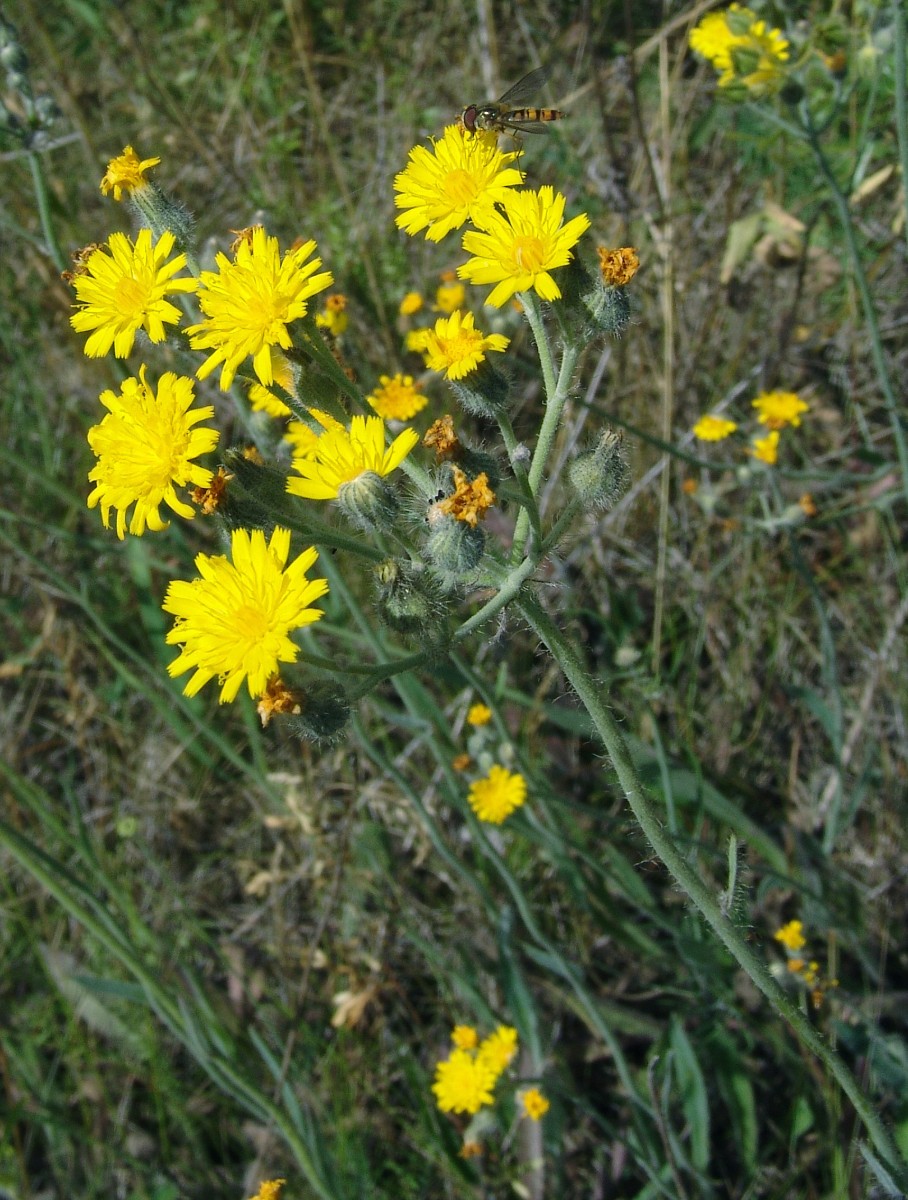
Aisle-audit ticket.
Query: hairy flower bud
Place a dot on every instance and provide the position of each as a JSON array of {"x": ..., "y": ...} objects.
[
  {"x": 325, "y": 711},
  {"x": 368, "y": 501},
  {"x": 600, "y": 476},
  {"x": 408, "y": 600},
  {"x": 454, "y": 548},
  {"x": 484, "y": 392}
]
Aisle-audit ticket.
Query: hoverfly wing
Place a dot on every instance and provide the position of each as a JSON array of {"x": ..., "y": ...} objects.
[
  {"x": 525, "y": 89},
  {"x": 526, "y": 126}
]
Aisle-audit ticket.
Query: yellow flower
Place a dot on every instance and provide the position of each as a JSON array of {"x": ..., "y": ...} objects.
[
  {"x": 126, "y": 290},
  {"x": 766, "y": 449},
  {"x": 463, "y": 1083},
  {"x": 126, "y": 173},
  {"x": 479, "y": 714},
  {"x": 778, "y": 409},
  {"x": 269, "y": 1189},
  {"x": 517, "y": 251},
  {"x": 498, "y": 1049},
  {"x": 494, "y": 798},
  {"x": 343, "y": 455},
  {"x": 145, "y": 446},
  {"x": 450, "y": 295},
  {"x": 397, "y": 398},
  {"x": 745, "y": 51},
  {"x": 711, "y": 428},
  {"x": 267, "y": 402},
  {"x": 534, "y": 1104},
  {"x": 334, "y": 318},
  {"x": 461, "y": 176},
  {"x": 303, "y": 438},
  {"x": 234, "y": 622},
  {"x": 465, "y": 1037},
  {"x": 249, "y": 302},
  {"x": 411, "y": 303},
  {"x": 791, "y": 936},
  {"x": 456, "y": 347}
]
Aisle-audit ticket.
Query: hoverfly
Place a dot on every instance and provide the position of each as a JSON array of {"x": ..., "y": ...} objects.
[{"x": 505, "y": 114}]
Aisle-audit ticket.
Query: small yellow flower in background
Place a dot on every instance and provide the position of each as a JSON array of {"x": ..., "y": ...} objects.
[
  {"x": 460, "y": 762},
  {"x": 249, "y": 302},
  {"x": 742, "y": 49},
  {"x": 517, "y": 250},
  {"x": 534, "y": 1104},
  {"x": 456, "y": 347},
  {"x": 342, "y": 455},
  {"x": 126, "y": 290},
  {"x": 145, "y": 446},
  {"x": 269, "y": 1189},
  {"x": 494, "y": 798},
  {"x": 808, "y": 505},
  {"x": 778, "y": 409},
  {"x": 303, "y": 438},
  {"x": 411, "y": 303},
  {"x": 445, "y": 187},
  {"x": 262, "y": 400},
  {"x": 499, "y": 1049},
  {"x": 126, "y": 173},
  {"x": 397, "y": 398},
  {"x": 711, "y": 428},
  {"x": 233, "y": 623},
  {"x": 451, "y": 293},
  {"x": 766, "y": 449},
  {"x": 335, "y": 317},
  {"x": 463, "y": 1083},
  {"x": 465, "y": 1037},
  {"x": 479, "y": 714},
  {"x": 791, "y": 935},
  {"x": 415, "y": 340},
  {"x": 470, "y": 500},
  {"x": 618, "y": 267}
]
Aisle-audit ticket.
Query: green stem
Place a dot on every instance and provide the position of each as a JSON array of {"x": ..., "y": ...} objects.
[
  {"x": 901, "y": 104},
  {"x": 590, "y": 692},
  {"x": 527, "y": 498},
  {"x": 876, "y": 342},
  {"x": 43, "y": 200}
]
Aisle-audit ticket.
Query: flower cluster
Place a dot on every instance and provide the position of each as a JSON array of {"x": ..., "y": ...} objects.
[
  {"x": 775, "y": 410},
  {"x": 465, "y": 1080},
  {"x": 805, "y": 970},
  {"x": 749, "y": 56}
]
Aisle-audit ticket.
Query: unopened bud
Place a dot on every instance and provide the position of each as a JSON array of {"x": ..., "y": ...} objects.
[
  {"x": 369, "y": 501},
  {"x": 160, "y": 213},
  {"x": 600, "y": 476},
  {"x": 408, "y": 601},
  {"x": 454, "y": 548},
  {"x": 257, "y": 491},
  {"x": 484, "y": 392},
  {"x": 325, "y": 712}
]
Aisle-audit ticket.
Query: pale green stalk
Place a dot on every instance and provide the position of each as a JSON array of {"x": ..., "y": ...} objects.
[
  {"x": 43, "y": 202},
  {"x": 591, "y": 694},
  {"x": 901, "y": 103}
]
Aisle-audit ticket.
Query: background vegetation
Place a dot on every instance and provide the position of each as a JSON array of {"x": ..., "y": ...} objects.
[{"x": 228, "y": 955}]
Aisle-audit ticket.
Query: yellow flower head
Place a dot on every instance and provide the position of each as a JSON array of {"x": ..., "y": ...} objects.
[
  {"x": 145, "y": 447},
  {"x": 745, "y": 51},
  {"x": 495, "y": 797},
  {"x": 262, "y": 400},
  {"x": 517, "y": 250},
  {"x": 534, "y": 1104},
  {"x": 303, "y": 438},
  {"x": 498, "y": 1049},
  {"x": 411, "y": 303},
  {"x": 234, "y": 622},
  {"x": 397, "y": 398},
  {"x": 778, "y": 409},
  {"x": 126, "y": 290},
  {"x": 791, "y": 936},
  {"x": 343, "y": 455},
  {"x": 450, "y": 295},
  {"x": 711, "y": 428},
  {"x": 335, "y": 318},
  {"x": 456, "y": 347},
  {"x": 269, "y": 1189},
  {"x": 463, "y": 1083},
  {"x": 461, "y": 176},
  {"x": 479, "y": 714},
  {"x": 766, "y": 449},
  {"x": 126, "y": 173},
  {"x": 465, "y": 1037},
  {"x": 249, "y": 302}
]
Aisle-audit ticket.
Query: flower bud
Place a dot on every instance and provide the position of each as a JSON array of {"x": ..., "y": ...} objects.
[
  {"x": 600, "y": 476},
  {"x": 325, "y": 710},
  {"x": 369, "y": 501},
  {"x": 454, "y": 548},
  {"x": 157, "y": 211},
  {"x": 256, "y": 494},
  {"x": 408, "y": 601},
  {"x": 484, "y": 392}
]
